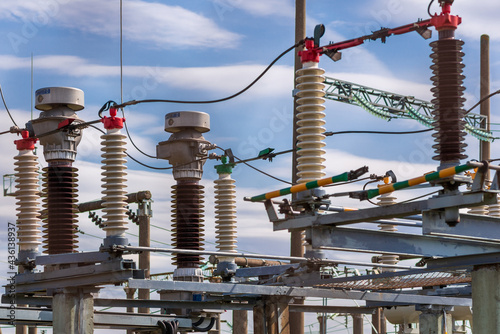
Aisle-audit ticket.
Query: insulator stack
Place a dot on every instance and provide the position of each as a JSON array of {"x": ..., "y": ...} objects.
[
  {"x": 310, "y": 124},
  {"x": 187, "y": 219},
  {"x": 478, "y": 210},
  {"x": 114, "y": 184},
  {"x": 494, "y": 209},
  {"x": 448, "y": 92},
  {"x": 383, "y": 200},
  {"x": 27, "y": 195},
  {"x": 225, "y": 213},
  {"x": 59, "y": 214}
]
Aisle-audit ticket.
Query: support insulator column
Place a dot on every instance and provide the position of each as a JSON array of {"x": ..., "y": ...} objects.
[
  {"x": 383, "y": 200},
  {"x": 448, "y": 90},
  {"x": 225, "y": 212},
  {"x": 28, "y": 199},
  {"x": 114, "y": 181},
  {"x": 310, "y": 124},
  {"x": 225, "y": 220}
]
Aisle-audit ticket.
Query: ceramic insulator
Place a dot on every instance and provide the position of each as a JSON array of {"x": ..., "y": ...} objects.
[
  {"x": 494, "y": 209},
  {"x": 310, "y": 123},
  {"x": 59, "y": 214},
  {"x": 187, "y": 222},
  {"x": 225, "y": 213},
  {"x": 383, "y": 200},
  {"x": 114, "y": 178},
  {"x": 27, "y": 195}
]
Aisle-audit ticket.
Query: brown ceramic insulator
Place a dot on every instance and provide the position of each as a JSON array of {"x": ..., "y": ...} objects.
[
  {"x": 187, "y": 218},
  {"x": 59, "y": 214},
  {"x": 448, "y": 100}
]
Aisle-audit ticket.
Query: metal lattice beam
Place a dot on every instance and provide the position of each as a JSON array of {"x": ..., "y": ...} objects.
[{"x": 388, "y": 105}]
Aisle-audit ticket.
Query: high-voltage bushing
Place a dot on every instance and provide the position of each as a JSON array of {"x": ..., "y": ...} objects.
[
  {"x": 114, "y": 181},
  {"x": 310, "y": 124},
  {"x": 59, "y": 183},
  {"x": 186, "y": 150},
  {"x": 448, "y": 90},
  {"x": 225, "y": 220},
  {"x": 59, "y": 106},
  {"x": 28, "y": 199},
  {"x": 187, "y": 219}
]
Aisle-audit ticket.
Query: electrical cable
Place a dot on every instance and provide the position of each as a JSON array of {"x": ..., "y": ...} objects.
[
  {"x": 412, "y": 199},
  {"x": 261, "y": 171},
  {"x": 132, "y": 142},
  {"x": 364, "y": 187},
  {"x": 429, "y": 8},
  {"x": 6, "y": 108},
  {"x": 330, "y": 133},
  {"x": 148, "y": 166},
  {"x": 344, "y": 183},
  {"x": 134, "y": 102},
  {"x": 482, "y": 100}
]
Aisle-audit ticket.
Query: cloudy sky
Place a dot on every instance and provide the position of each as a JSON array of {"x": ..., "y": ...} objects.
[{"x": 208, "y": 49}]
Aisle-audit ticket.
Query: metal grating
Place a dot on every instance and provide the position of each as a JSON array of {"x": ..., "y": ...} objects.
[{"x": 425, "y": 279}]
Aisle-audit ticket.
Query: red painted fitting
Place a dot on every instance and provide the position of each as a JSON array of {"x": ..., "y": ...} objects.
[
  {"x": 112, "y": 122},
  {"x": 445, "y": 20},
  {"x": 310, "y": 54},
  {"x": 26, "y": 143}
]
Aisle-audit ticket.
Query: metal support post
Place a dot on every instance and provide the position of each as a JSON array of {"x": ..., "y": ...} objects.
[
  {"x": 130, "y": 292},
  {"x": 240, "y": 321},
  {"x": 376, "y": 321},
  {"x": 73, "y": 311},
  {"x": 484, "y": 152},
  {"x": 357, "y": 323},
  {"x": 258, "y": 319},
  {"x": 297, "y": 248},
  {"x": 144, "y": 215},
  {"x": 435, "y": 319},
  {"x": 284, "y": 315},
  {"x": 271, "y": 316},
  {"x": 322, "y": 324},
  {"x": 485, "y": 297}
]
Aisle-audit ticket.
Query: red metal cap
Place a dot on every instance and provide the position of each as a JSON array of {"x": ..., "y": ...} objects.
[
  {"x": 445, "y": 20},
  {"x": 113, "y": 122},
  {"x": 310, "y": 54},
  {"x": 26, "y": 143}
]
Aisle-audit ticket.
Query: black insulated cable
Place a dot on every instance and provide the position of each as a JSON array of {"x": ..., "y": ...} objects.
[{"x": 133, "y": 102}]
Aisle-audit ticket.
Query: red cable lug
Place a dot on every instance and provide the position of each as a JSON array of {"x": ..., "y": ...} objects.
[
  {"x": 112, "y": 122},
  {"x": 26, "y": 143}
]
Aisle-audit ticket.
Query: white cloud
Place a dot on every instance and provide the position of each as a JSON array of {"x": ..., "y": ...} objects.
[{"x": 160, "y": 25}]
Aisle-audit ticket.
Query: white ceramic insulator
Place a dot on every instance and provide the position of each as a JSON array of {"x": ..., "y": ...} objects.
[
  {"x": 494, "y": 209},
  {"x": 225, "y": 213},
  {"x": 28, "y": 201},
  {"x": 479, "y": 210},
  {"x": 310, "y": 129},
  {"x": 114, "y": 183},
  {"x": 383, "y": 200}
]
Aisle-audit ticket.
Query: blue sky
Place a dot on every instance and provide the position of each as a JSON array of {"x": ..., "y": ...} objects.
[{"x": 208, "y": 49}]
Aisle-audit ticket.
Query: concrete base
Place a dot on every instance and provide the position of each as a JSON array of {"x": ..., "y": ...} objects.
[
  {"x": 73, "y": 311},
  {"x": 485, "y": 299},
  {"x": 434, "y": 320}
]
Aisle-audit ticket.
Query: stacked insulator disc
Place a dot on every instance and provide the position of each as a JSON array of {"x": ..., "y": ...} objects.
[
  {"x": 187, "y": 218},
  {"x": 310, "y": 124},
  {"x": 383, "y": 200},
  {"x": 114, "y": 183},
  {"x": 448, "y": 92},
  {"x": 494, "y": 209},
  {"x": 225, "y": 213},
  {"x": 27, "y": 195},
  {"x": 59, "y": 214}
]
